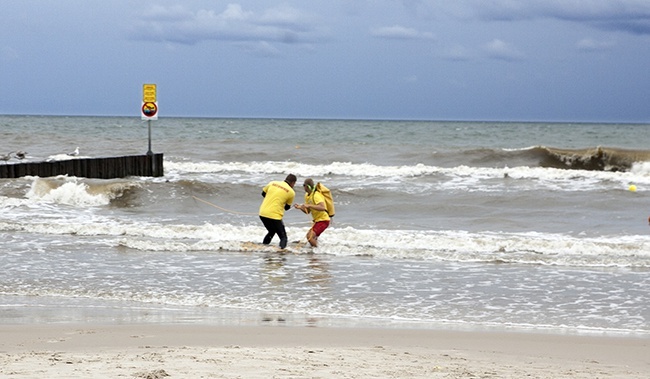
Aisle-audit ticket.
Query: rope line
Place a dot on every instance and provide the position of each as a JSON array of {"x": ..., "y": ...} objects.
[
  {"x": 239, "y": 213},
  {"x": 224, "y": 209}
]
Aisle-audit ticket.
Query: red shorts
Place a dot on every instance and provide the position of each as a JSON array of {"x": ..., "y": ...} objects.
[{"x": 320, "y": 227}]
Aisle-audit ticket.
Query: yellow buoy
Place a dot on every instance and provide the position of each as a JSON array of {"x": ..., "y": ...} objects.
[{"x": 632, "y": 188}]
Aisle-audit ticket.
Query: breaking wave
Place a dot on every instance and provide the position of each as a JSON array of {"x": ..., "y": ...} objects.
[
  {"x": 593, "y": 159},
  {"x": 78, "y": 191}
]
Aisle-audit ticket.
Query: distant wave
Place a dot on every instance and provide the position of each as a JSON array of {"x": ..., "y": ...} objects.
[
  {"x": 590, "y": 159},
  {"x": 531, "y": 163},
  {"x": 594, "y": 159}
]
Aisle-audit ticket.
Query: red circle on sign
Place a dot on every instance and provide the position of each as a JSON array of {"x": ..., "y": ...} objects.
[{"x": 149, "y": 109}]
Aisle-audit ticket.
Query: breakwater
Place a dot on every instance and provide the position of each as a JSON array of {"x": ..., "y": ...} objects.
[{"x": 97, "y": 168}]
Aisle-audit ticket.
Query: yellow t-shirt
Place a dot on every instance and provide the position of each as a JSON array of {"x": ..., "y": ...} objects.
[
  {"x": 278, "y": 193},
  {"x": 316, "y": 198}
]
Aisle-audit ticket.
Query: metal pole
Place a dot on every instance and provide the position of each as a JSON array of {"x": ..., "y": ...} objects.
[{"x": 149, "y": 152}]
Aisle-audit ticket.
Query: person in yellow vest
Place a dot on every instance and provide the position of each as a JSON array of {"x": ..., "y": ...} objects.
[
  {"x": 314, "y": 204},
  {"x": 278, "y": 197}
]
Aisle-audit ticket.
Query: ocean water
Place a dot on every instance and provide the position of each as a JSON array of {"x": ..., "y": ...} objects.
[{"x": 524, "y": 226}]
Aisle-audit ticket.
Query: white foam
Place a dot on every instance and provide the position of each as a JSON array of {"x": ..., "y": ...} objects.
[
  {"x": 641, "y": 169},
  {"x": 453, "y": 246},
  {"x": 70, "y": 194},
  {"x": 74, "y": 191}
]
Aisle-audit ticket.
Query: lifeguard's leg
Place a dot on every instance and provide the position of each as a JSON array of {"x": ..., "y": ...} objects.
[
  {"x": 316, "y": 230},
  {"x": 282, "y": 233},
  {"x": 270, "y": 227},
  {"x": 312, "y": 238}
]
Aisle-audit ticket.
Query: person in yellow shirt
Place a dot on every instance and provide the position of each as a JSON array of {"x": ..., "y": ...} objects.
[
  {"x": 278, "y": 197},
  {"x": 314, "y": 204}
]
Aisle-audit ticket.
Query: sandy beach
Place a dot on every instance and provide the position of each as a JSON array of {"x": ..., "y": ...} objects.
[{"x": 280, "y": 351}]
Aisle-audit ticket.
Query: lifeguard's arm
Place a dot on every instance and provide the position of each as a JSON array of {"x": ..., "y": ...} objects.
[
  {"x": 317, "y": 207},
  {"x": 287, "y": 205},
  {"x": 301, "y": 207}
]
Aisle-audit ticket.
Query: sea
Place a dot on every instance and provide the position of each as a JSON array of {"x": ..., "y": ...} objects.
[{"x": 509, "y": 226}]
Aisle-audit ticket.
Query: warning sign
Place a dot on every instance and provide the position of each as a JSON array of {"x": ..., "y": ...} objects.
[
  {"x": 149, "y": 102},
  {"x": 150, "y": 111}
]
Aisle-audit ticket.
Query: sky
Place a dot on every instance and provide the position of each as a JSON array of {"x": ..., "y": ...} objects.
[{"x": 473, "y": 60}]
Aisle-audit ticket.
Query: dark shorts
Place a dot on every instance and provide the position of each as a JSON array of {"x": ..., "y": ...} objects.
[{"x": 320, "y": 227}]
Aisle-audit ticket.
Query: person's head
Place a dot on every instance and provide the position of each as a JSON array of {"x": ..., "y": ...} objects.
[
  {"x": 308, "y": 185},
  {"x": 291, "y": 180}
]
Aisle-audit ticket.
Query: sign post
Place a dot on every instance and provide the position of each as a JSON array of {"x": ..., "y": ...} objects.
[{"x": 149, "y": 108}]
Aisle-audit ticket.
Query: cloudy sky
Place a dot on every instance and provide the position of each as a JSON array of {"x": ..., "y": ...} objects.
[{"x": 501, "y": 60}]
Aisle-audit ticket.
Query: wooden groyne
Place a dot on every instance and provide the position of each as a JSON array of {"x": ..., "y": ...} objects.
[{"x": 97, "y": 168}]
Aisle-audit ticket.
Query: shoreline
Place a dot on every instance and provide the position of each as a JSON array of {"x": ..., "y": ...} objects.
[
  {"x": 23, "y": 310},
  {"x": 189, "y": 350}
]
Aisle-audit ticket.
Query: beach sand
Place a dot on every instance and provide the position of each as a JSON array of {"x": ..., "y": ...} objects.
[{"x": 280, "y": 351}]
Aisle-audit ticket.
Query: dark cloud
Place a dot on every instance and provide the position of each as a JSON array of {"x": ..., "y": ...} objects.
[
  {"x": 640, "y": 27},
  {"x": 631, "y": 16}
]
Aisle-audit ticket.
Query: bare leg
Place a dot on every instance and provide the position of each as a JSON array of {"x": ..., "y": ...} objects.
[{"x": 312, "y": 238}]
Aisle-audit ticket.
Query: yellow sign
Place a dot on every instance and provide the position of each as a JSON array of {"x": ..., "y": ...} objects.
[{"x": 149, "y": 93}]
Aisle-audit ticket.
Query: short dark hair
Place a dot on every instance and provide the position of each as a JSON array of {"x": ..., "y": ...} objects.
[{"x": 291, "y": 179}]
